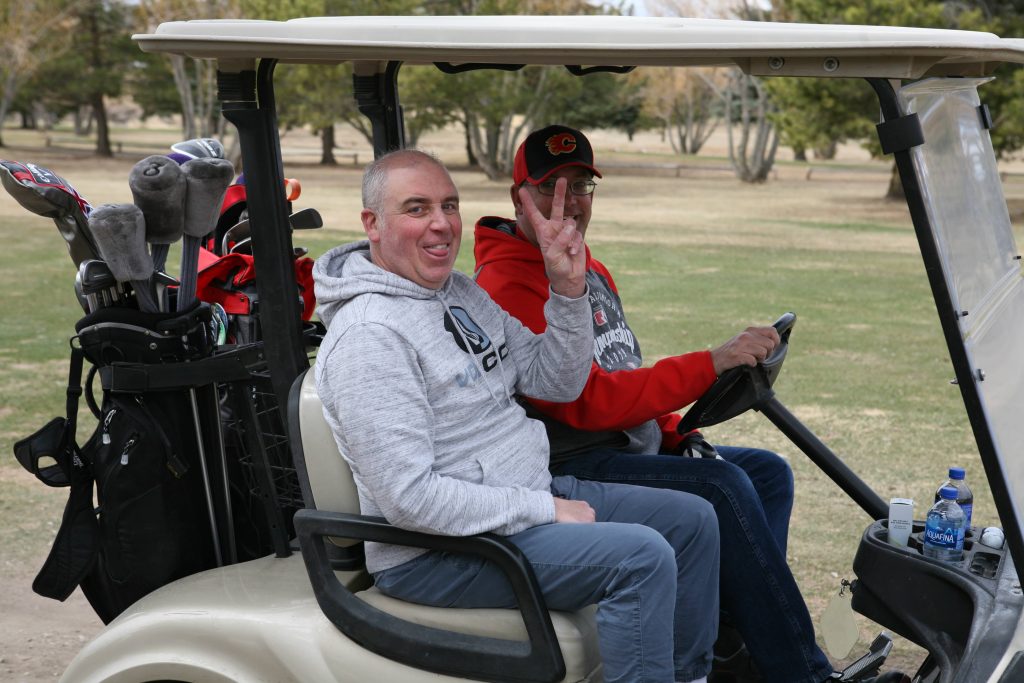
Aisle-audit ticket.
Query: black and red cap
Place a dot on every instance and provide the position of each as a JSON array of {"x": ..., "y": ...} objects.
[{"x": 549, "y": 149}]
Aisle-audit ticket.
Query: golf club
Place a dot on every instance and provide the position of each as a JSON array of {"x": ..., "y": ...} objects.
[
  {"x": 158, "y": 188},
  {"x": 45, "y": 193},
  {"x": 207, "y": 180},
  {"x": 99, "y": 285},
  {"x": 163, "y": 284},
  {"x": 199, "y": 148},
  {"x": 120, "y": 233}
]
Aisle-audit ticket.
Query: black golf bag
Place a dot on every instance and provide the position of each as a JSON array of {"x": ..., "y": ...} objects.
[{"x": 153, "y": 497}]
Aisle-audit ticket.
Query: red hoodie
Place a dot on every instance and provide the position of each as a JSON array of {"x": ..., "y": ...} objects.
[{"x": 619, "y": 395}]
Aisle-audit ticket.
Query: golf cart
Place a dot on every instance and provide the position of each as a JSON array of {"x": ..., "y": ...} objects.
[{"x": 313, "y": 615}]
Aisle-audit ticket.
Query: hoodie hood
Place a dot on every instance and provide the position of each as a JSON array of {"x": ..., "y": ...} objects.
[
  {"x": 499, "y": 239},
  {"x": 346, "y": 272}
]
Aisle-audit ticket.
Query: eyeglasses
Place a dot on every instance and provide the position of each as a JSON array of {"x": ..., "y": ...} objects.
[{"x": 580, "y": 188}]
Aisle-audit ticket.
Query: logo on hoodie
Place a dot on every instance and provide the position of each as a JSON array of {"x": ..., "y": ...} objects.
[{"x": 471, "y": 338}]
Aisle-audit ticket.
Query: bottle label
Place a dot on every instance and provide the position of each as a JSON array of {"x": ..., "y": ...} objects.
[
  {"x": 943, "y": 537},
  {"x": 968, "y": 508}
]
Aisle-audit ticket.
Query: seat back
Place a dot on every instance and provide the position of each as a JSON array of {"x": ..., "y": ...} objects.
[{"x": 324, "y": 476}]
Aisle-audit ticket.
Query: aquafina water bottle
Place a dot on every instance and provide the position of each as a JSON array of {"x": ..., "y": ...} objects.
[
  {"x": 944, "y": 528},
  {"x": 964, "y": 496}
]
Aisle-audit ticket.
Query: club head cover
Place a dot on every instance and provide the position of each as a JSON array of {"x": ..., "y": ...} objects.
[
  {"x": 179, "y": 158},
  {"x": 207, "y": 181},
  {"x": 199, "y": 148},
  {"x": 158, "y": 188},
  {"x": 120, "y": 233},
  {"x": 45, "y": 193}
]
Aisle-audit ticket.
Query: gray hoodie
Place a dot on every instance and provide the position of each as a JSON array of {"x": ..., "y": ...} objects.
[{"x": 417, "y": 387}]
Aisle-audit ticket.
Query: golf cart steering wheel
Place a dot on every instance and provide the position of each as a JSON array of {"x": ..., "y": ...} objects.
[{"x": 739, "y": 389}]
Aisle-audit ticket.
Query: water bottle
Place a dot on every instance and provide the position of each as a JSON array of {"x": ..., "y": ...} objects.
[
  {"x": 944, "y": 528},
  {"x": 964, "y": 496}
]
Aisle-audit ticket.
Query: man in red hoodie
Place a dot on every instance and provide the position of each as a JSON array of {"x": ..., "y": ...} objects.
[{"x": 622, "y": 428}]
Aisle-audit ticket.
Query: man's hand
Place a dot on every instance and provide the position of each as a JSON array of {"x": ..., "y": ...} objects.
[
  {"x": 560, "y": 243},
  {"x": 749, "y": 347},
  {"x": 573, "y": 511}
]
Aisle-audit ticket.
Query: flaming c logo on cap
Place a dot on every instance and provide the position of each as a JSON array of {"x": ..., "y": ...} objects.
[{"x": 561, "y": 143}]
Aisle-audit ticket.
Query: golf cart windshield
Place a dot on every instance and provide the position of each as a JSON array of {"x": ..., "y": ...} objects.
[{"x": 981, "y": 265}]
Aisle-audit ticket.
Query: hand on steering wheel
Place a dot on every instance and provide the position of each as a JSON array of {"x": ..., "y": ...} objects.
[{"x": 744, "y": 385}]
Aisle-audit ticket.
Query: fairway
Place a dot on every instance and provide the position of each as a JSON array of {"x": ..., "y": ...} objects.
[{"x": 696, "y": 258}]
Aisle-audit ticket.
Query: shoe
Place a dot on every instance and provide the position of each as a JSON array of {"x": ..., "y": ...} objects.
[{"x": 731, "y": 662}]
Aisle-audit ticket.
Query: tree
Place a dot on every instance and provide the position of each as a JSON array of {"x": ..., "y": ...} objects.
[
  {"x": 104, "y": 50},
  {"x": 497, "y": 107},
  {"x": 195, "y": 80},
  {"x": 320, "y": 96},
  {"x": 685, "y": 104},
  {"x": 26, "y": 43},
  {"x": 753, "y": 138},
  {"x": 822, "y": 110}
]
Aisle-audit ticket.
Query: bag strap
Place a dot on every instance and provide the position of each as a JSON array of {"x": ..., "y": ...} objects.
[
  {"x": 76, "y": 546},
  {"x": 137, "y": 378},
  {"x": 74, "y": 390}
]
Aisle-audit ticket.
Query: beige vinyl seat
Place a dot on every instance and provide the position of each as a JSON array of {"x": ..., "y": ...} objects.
[{"x": 328, "y": 486}]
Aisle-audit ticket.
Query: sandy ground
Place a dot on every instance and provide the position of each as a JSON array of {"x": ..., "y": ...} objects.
[{"x": 38, "y": 636}]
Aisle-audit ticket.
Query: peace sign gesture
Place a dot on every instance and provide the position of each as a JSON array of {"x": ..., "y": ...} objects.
[{"x": 561, "y": 245}]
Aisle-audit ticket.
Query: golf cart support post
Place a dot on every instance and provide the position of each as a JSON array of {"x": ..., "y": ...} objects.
[{"x": 247, "y": 53}]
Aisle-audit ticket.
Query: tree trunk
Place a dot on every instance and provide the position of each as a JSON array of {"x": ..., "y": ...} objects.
[
  {"x": 327, "y": 146},
  {"x": 895, "y": 190},
  {"x": 184, "y": 87},
  {"x": 10, "y": 89},
  {"x": 799, "y": 154},
  {"x": 470, "y": 157},
  {"x": 99, "y": 109},
  {"x": 827, "y": 151}
]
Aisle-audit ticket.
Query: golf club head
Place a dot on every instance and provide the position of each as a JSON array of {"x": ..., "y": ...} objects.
[
  {"x": 200, "y": 148},
  {"x": 165, "y": 284},
  {"x": 97, "y": 284},
  {"x": 306, "y": 219},
  {"x": 120, "y": 233},
  {"x": 242, "y": 246},
  {"x": 88, "y": 305},
  {"x": 234, "y": 234},
  {"x": 95, "y": 276},
  {"x": 158, "y": 189},
  {"x": 45, "y": 193}
]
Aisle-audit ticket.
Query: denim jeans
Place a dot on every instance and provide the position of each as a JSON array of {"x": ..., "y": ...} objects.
[
  {"x": 752, "y": 493},
  {"x": 650, "y": 563}
]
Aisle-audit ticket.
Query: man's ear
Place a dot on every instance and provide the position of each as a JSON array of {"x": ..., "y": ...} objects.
[
  {"x": 517, "y": 203},
  {"x": 370, "y": 225}
]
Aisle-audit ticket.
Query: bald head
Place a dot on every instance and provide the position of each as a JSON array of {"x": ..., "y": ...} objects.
[
  {"x": 376, "y": 175},
  {"x": 411, "y": 217}
]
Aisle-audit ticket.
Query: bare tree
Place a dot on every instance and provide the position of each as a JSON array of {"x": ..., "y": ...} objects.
[
  {"x": 685, "y": 104},
  {"x": 752, "y": 137},
  {"x": 26, "y": 42},
  {"x": 194, "y": 79}
]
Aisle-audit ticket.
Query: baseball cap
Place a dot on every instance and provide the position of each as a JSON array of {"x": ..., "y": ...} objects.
[{"x": 549, "y": 149}]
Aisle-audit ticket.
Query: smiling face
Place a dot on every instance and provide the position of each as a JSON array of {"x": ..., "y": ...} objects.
[
  {"x": 576, "y": 206},
  {"x": 416, "y": 230}
]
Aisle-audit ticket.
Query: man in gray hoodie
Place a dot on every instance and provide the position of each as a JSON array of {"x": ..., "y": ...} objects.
[{"x": 417, "y": 374}]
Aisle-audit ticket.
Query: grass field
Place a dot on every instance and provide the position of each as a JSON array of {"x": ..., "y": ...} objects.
[{"x": 696, "y": 259}]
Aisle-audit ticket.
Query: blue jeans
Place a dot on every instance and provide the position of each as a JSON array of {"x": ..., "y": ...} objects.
[
  {"x": 650, "y": 563},
  {"x": 752, "y": 493}
]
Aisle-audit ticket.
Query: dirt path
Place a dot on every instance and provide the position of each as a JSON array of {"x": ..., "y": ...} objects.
[{"x": 39, "y": 636}]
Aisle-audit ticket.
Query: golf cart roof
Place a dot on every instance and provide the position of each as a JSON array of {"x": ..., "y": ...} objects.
[{"x": 760, "y": 48}]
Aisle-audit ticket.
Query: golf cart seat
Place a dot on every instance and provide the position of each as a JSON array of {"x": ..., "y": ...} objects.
[{"x": 525, "y": 644}]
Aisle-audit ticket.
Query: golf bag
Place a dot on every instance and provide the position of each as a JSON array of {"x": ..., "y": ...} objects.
[{"x": 148, "y": 526}]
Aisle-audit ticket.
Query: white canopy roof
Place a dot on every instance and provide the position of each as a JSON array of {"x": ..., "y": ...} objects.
[{"x": 762, "y": 48}]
